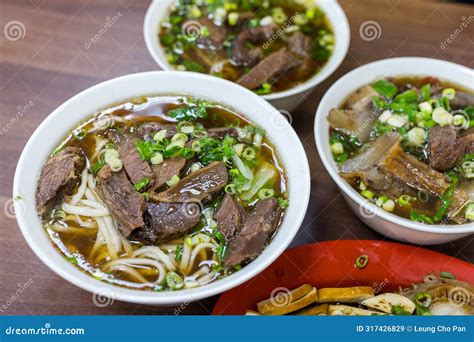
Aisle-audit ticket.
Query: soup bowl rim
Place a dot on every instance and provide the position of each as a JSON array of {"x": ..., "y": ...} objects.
[
  {"x": 353, "y": 80},
  {"x": 332, "y": 9},
  {"x": 75, "y": 110}
]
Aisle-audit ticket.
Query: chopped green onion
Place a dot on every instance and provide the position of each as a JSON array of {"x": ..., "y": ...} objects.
[
  {"x": 470, "y": 212},
  {"x": 447, "y": 275},
  {"x": 381, "y": 200},
  {"x": 426, "y": 91},
  {"x": 230, "y": 189},
  {"x": 425, "y": 108},
  {"x": 417, "y": 217},
  {"x": 449, "y": 93},
  {"x": 195, "y": 167},
  {"x": 58, "y": 214},
  {"x": 157, "y": 159},
  {"x": 367, "y": 194},
  {"x": 233, "y": 18},
  {"x": 404, "y": 200},
  {"x": 249, "y": 153},
  {"x": 388, "y": 205},
  {"x": 423, "y": 299},
  {"x": 179, "y": 137},
  {"x": 362, "y": 261},
  {"x": 115, "y": 164},
  {"x": 161, "y": 135},
  {"x": 173, "y": 181},
  {"x": 142, "y": 183},
  {"x": 174, "y": 280},
  {"x": 266, "y": 193},
  {"x": 239, "y": 148},
  {"x": 196, "y": 146},
  {"x": 337, "y": 148}
]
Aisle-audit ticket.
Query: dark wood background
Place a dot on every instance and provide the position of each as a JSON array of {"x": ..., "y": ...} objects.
[{"x": 49, "y": 63}]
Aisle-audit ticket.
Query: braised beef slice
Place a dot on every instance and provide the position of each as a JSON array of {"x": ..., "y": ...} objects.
[
  {"x": 299, "y": 43},
  {"x": 198, "y": 186},
  {"x": 149, "y": 129},
  {"x": 361, "y": 100},
  {"x": 444, "y": 150},
  {"x": 221, "y": 133},
  {"x": 137, "y": 169},
  {"x": 58, "y": 177},
  {"x": 230, "y": 217},
  {"x": 125, "y": 204},
  {"x": 216, "y": 37},
  {"x": 257, "y": 229},
  {"x": 242, "y": 54},
  {"x": 164, "y": 221},
  {"x": 466, "y": 142},
  {"x": 262, "y": 33},
  {"x": 356, "y": 123},
  {"x": 272, "y": 66},
  {"x": 462, "y": 100},
  {"x": 167, "y": 169}
]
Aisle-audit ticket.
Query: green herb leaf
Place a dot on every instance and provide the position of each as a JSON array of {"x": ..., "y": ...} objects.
[
  {"x": 189, "y": 112},
  {"x": 385, "y": 88}
]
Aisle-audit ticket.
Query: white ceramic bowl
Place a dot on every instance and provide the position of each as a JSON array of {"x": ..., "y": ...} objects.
[
  {"x": 67, "y": 116},
  {"x": 286, "y": 100},
  {"x": 384, "y": 222}
]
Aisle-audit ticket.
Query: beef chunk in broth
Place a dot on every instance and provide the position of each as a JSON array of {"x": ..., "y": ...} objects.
[
  {"x": 58, "y": 178},
  {"x": 164, "y": 221},
  {"x": 126, "y": 205},
  {"x": 213, "y": 40},
  {"x": 444, "y": 150},
  {"x": 149, "y": 129},
  {"x": 230, "y": 217},
  {"x": 257, "y": 229},
  {"x": 137, "y": 169},
  {"x": 167, "y": 169},
  {"x": 220, "y": 133},
  {"x": 198, "y": 186},
  {"x": 274, "y": 65}
]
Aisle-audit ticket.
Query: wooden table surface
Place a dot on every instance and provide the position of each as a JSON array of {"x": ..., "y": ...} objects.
[{"x": 51, "y": 57}]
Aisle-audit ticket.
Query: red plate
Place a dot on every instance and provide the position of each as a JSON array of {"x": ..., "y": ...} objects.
[{"x": 331, "y": 264}]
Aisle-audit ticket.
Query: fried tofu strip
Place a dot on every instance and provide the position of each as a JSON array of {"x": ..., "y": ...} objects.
[
  {"x": 296, "y": 305},
  {"x": 345, "y": 294},
  {"x": 283, "y": 297}
]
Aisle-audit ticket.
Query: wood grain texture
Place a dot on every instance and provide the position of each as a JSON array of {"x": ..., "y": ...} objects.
[{"x": 57, "y": 58}]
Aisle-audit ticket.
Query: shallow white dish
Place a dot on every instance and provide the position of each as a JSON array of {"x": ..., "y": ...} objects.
[
  {"x": 381, "y": 221},
  {"x": 67, "y": 116},
  {"x": 286, "y": 100}
]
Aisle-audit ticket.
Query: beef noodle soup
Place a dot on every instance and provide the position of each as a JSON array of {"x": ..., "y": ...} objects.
[
  {"x": 407, "y": 146},
  {"x": 264, "y": 45},
  {"x": 162, "y": 193}
]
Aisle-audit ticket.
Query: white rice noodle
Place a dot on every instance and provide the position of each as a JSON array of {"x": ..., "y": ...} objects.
[
  {"x": 111, "y": 246},
  {"x": 195, "y": 253},
  {"x": 84, "y": 211},
  {"x": 207, "y": 278},
  {"x": 137, "y": 263},
  {"x": 59, "y": 228},
  {"x": 85, "y": 224},
  {"x": 81, "y": 190},
  {"x": 133, "y": 273},
  {"x": 157, "y": 254}
]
